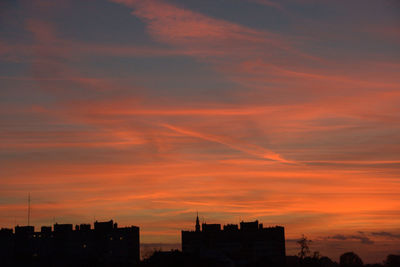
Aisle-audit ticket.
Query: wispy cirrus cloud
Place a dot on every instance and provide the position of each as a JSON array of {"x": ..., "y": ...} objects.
[{"x": 235, "y": 144}]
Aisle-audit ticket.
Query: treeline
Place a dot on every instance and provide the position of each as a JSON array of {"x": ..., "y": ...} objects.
[
  {"x": 348, "y": 259},
  {"x": 305, "y": 258},
  {"x": 176, "y": 258}
]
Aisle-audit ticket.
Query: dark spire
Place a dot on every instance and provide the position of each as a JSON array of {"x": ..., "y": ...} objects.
[{"x": 197, "y": 223}]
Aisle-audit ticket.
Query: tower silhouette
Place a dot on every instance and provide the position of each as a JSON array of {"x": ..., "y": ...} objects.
[{"x": 197, "y": 223}]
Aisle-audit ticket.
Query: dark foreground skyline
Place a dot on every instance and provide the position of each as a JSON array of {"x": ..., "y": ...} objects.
[
  {"x": 291, "y": 244},
  {"x": 107, "y": 244}
]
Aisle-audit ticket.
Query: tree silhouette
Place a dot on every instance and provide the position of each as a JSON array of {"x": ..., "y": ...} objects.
[
  {"x": 304, "y": 248},
  {"x": 326, "y": 262},
  {"x": 392, "y": 261},
  {"x": 316, "y": 255},
  {"x": 350, "y": 259}
]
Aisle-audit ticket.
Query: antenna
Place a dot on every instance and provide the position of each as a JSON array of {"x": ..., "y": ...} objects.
[{"x": 29, "y": 208}]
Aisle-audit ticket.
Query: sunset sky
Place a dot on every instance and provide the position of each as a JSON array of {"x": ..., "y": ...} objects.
[{"x": 146, "y": 112}]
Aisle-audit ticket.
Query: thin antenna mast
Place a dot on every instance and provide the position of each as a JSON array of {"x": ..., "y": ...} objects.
[{"x": 29, "y": 208}]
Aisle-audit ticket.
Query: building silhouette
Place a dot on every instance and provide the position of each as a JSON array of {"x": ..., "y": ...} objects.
[
  {"x": 247, "y": 244},
  {"x": 64, "y": 245}
]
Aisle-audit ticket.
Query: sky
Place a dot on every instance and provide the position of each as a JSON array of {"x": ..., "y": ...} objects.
[{"x": 147, "y": 112}]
